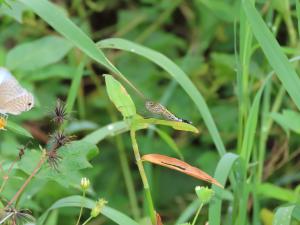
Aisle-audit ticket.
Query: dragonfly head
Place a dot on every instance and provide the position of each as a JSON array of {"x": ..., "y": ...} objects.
[{"x": 149, "y": 105}]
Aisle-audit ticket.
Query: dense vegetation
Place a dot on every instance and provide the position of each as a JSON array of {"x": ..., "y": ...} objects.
[{"x": 230, "y": 67}]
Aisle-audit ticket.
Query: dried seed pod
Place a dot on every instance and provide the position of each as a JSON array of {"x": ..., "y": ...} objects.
[{"x": 60, "y": 114}]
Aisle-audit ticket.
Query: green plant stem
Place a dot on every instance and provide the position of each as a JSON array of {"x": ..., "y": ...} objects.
[
  {"x": 6, "y": 177},
  {"x": 265, "y": 132},
  {"x": 128, "y": 178},
  {"x": 81, "y": 209},
  {"x": 290, "y": 27},
  {"x": 143, "y": 176},
  {"x": 197, "y": 214},
  {"x": 80, "y": 101},
  {"x": 122, "y": 154},
  {"x": 88, "y": 220}
]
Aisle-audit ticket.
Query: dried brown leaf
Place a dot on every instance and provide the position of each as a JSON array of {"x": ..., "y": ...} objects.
[
  {"x": 183, "y": 167},
  {"x": 158, "y": 219}
]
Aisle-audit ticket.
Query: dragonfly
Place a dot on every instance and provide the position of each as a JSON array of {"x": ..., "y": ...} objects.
[
  {"x": 159, "y": 109},
  {"x": 155, "y": 107}
]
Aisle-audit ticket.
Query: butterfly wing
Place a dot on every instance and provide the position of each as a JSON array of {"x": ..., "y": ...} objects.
[
  {"x": 12, "y": 93},
  {"x": 19, "y": 104}
]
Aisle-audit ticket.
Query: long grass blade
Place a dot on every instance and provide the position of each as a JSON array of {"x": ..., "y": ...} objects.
[{"x": 279, "y": 62}]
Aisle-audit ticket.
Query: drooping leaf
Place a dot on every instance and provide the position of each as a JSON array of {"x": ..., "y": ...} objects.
[{"x": 180, "y": 166}]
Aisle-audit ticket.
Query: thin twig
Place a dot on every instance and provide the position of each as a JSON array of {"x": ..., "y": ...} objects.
[{"x": 37, "y": 168}]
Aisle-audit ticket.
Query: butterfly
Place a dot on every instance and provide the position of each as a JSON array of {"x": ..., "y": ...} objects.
[{"x": 14, "y": 99}]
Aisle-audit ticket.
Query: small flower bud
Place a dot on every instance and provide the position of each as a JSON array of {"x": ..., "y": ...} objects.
[
  {"x": 98, "y": 207},
  {"x": 85, "y": 183},
  {"x": 204, "y": 194}
]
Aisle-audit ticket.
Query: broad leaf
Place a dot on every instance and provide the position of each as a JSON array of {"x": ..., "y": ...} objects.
[
  {"x": 37, "y": 54},
  {"x": 74, "y": 157},
  {"x": 119, "y": 96}
]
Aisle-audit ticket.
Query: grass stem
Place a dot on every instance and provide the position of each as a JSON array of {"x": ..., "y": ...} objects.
[{"x": 143, "y": 177}]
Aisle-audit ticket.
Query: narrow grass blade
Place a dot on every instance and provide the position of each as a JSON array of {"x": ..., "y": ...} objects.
[
  {"x": 222, "y": 173},
  {"x": 107, "y": 131},
  {"x": 74, "y": 87},
  {"x": 279, "y": 62},
  {"x": 251, "y": 124},
  {"x": 270, "y": 191},
  {"x": 78, "y": 201},
  {"x": 177, "y": 74}
]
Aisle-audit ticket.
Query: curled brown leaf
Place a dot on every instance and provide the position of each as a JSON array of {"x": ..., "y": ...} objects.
[{"x": 183, "y": 167}]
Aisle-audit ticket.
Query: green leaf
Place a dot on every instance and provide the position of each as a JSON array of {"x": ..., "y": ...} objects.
[
  {"x": 177, "y": 74},
  {"x": 59, "y": 71},
  {"x": 271, "y": 191},
  {"x": 13, "y": 9},
  {"x": 79, "y": 201},
  {"x": 11, "y": 126},
  {"x": 279, "y": 62},
  {"x": 52, "y": 219},
  {"x": 74, "y": 157},
  {"x": 222, "y": 172},
  {"x": 119, "y": 96},
  {"x": 283, "y": 215},
  {"x": 288, "y": 120},
  {"x": 37, "y": 54},
  {"x": 141, "y": 123}
]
